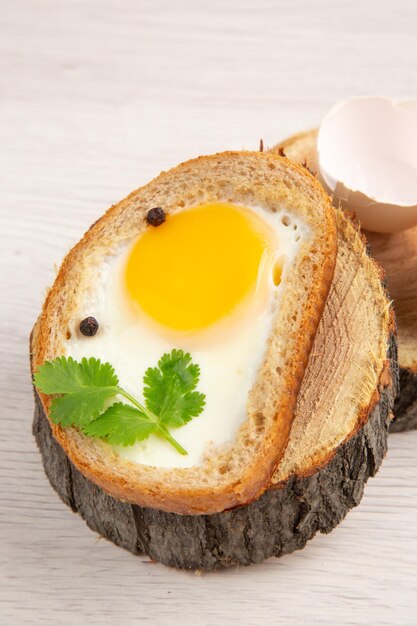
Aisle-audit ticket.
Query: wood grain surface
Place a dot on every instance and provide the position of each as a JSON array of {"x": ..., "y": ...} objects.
[{"x": 96, "y": 97}]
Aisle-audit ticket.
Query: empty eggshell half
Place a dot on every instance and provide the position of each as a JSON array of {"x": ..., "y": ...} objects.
[{"x": 368, "y": 160}]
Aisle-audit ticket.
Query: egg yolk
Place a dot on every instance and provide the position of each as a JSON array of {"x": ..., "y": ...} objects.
[{"x": 199, "y": 265}]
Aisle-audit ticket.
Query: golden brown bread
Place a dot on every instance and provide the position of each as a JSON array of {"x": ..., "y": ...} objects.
[{"x": 238, "y": 473}]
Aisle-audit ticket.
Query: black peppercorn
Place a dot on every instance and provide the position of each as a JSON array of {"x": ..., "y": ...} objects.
[
  {"x": 156, "y": 216},
  {"x": 89, "y": 326}
]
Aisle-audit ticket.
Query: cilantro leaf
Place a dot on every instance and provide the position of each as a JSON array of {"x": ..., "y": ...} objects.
[
  {"x": 169, "y": 389},
  {"x": 86, "y": 387},
  {"x": 80, "y": 407},
  {"x": 121, "y": 424},
  {"x": 83, "y": 389},
  {"x": 65, "y": 375}
]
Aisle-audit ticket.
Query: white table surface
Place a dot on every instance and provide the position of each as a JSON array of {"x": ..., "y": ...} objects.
[{"x": 96, "y": 97}]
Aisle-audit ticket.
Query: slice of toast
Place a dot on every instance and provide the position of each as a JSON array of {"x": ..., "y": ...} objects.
[
  {"x": 237, "y": 474},
  {"x": 397, "y": 253}
]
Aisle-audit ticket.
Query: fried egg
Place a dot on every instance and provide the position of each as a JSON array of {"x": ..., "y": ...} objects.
[{"x": 208, "y": 280}]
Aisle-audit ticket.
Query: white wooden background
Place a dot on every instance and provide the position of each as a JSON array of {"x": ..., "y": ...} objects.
[{"x": 96, "y": 97}]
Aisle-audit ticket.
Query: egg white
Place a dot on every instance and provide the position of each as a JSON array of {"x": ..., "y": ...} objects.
[{"x": 229, "y": 361}]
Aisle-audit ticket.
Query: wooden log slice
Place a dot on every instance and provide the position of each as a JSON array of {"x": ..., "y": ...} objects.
[
  {"x": 397, "y": 254},
  {"x": 338, "y": 440}
]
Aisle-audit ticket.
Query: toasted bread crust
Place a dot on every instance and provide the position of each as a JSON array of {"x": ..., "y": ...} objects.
[{"x": 137, "y": 484}]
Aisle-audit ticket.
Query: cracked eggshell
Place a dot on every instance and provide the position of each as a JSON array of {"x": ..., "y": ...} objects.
[{"x": 368, "y": 160}]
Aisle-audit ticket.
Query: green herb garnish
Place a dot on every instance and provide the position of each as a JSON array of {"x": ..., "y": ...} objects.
[{"x": 85, "y": 388}]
